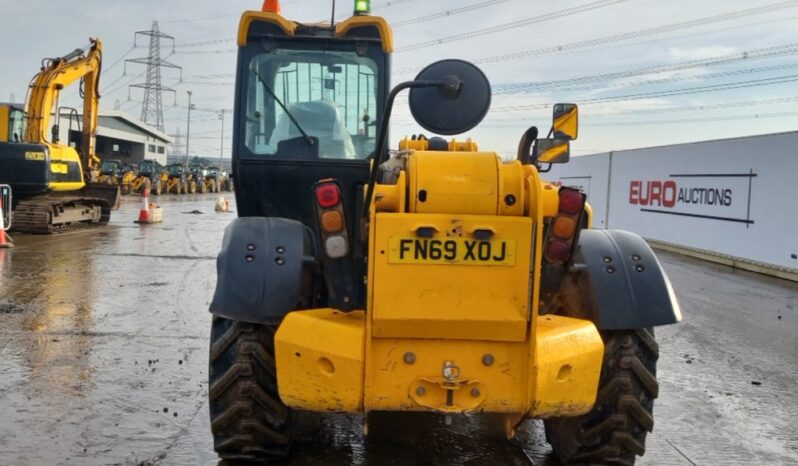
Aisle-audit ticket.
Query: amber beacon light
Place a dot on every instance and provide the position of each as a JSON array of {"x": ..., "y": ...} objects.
[{"x": 271, "y": 6}]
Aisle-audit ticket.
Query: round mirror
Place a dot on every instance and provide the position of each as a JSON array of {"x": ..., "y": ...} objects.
[{"x": 451, "y": 109}]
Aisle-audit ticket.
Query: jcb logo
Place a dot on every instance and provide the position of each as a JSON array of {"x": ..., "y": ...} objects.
[{"x": 35, "y": 156}]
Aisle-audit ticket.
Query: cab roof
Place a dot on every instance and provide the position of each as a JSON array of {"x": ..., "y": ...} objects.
[{"x": 363, "y": 27}]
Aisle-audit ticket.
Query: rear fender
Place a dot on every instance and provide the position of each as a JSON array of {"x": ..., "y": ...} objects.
[
  {"x": 620, "y": 283},
  {"x": 260, "y": 269}
]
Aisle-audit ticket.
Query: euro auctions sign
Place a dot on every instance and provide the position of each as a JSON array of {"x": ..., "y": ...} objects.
[{"x": 723, "y": 197}]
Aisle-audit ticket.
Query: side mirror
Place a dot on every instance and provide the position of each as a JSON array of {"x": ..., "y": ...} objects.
[
  {"x": 457, "y": 104},
  {"x": 552, "y": 151},
  {"x": 566, "y": 121},
  {"x": 447, "y": 97}
]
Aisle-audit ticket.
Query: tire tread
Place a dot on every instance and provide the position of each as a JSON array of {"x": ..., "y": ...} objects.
[
  {"x": 614, "y": 432},
  {"x": 250, "y": 423}
]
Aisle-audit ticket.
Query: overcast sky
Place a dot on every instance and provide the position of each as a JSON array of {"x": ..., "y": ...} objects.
[{"x": 730, "y": 65}]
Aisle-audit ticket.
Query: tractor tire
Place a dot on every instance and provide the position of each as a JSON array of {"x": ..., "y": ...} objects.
[
  {"x": 249, "y": 422},
  {"x": 192, "y": 187},
  {"x": 147, "y": 186},
  {"x": 202, "y": 187},
  {"x": 182, "y": 187},
  {"x": 157, "y": 188},
  {"x": 614, "y": 432}
]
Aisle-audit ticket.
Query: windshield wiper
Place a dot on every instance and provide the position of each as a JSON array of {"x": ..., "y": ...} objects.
[{"x": 282, "y": 105}]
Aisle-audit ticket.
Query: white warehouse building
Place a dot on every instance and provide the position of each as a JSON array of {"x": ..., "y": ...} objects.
[{"x": 119, "y": 137}]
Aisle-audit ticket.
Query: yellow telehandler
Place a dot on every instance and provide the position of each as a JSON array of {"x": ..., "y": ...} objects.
[{"x": 432, "y": 278}]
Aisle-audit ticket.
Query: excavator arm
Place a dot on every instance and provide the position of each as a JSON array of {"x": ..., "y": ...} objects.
[{"x": 45, "y": 91}]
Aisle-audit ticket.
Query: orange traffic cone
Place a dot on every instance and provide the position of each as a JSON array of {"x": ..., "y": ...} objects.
[
  {"x": 144, "y": 213},
  {"x": 5, "y": 240}
]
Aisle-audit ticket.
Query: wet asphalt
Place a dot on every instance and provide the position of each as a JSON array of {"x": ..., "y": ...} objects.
[{"x": 103, "y": 360}]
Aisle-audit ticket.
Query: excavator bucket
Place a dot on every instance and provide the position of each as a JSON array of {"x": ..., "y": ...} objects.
[{"x": 109, "y": 193}]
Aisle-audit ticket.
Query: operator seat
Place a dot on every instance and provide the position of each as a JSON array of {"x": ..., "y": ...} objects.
[{"x": 321, "y": 120}]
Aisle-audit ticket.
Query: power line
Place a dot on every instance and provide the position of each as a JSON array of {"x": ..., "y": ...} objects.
[
  {"x": 749, "y": 55},
  {"x": 672, "y": 79},
  {"x": 665, "y": 93},
  {"x": 213, "y": 17},
  {"x": 457, "y": 37},
  {"x": 588, "y": 116},
  {"x": 590, "y": 43},
  {"x": 446, "y": 13},
  {"x": 692, "y": 120},
  {"x": 694, "y": 108},
  {"x": 511, "y": 25},
  {"x": 118, "y": 60}
]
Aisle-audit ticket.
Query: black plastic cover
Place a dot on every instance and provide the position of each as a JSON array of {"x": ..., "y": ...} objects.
[
  {"x": 259, "y": 269},
  {"x": 26, "y": 167},
  {"x": 622, "y": 283}
]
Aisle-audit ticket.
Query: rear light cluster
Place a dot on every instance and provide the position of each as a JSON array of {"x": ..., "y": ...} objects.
[
  {"x": 332, "y": 222},
  {"x": 563, "y": 230}
]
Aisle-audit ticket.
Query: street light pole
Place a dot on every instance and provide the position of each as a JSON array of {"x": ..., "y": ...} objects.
[
  {"x": 221, "y": 149},
  {"x": 188, "y": 126}
]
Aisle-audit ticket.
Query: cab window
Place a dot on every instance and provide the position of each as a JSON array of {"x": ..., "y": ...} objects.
[
  {"x": 327, "y": 95},
  {"x": 17, "y": 124}
]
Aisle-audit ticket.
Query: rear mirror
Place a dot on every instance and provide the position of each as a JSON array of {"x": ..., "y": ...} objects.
[
  {"x": 566, "y": 121},
  {"x": 456, "y": 107},
  {"x": 552, "y": 151}
]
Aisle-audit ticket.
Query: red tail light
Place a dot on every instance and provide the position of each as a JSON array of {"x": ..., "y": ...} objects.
[
  {"x": 328, "y": 195},
  {"x": 332, "y": 219},
  {"x": 558, "y": 252},
  {"x": 564, "y": 228},
  {"x": 571, "y": 201}
]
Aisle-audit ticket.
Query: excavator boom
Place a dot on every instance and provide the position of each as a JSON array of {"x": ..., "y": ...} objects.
[{"x": 45, "y": 91}]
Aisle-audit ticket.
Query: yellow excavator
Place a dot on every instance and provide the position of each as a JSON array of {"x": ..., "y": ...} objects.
[{"x": 55, "y": 186}]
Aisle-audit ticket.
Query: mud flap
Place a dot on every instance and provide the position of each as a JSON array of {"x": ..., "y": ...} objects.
[
  {"x": 621, "y": 282},
  {"x": 260, "y": 269}
]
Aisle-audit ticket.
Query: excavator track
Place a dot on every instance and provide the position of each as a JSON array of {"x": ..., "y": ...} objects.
[{"x": 60, "y": 214}]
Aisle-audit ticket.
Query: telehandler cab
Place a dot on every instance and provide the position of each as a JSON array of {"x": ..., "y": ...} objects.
[{"x": 435, "y": 278}]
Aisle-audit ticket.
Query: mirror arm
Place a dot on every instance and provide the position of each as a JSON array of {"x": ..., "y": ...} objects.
[
  {"x": 525, "y": 145},
  {"x": 381, "y": 149}
]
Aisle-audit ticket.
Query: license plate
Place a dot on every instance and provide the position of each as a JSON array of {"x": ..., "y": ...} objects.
[{"x": 460, "y": 251}]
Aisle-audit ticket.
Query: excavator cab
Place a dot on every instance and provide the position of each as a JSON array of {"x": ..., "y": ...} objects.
[{"x": 13, "y": 122}]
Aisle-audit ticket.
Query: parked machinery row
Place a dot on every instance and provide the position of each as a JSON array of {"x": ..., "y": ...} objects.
[{"x": 152, "y": 177}]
